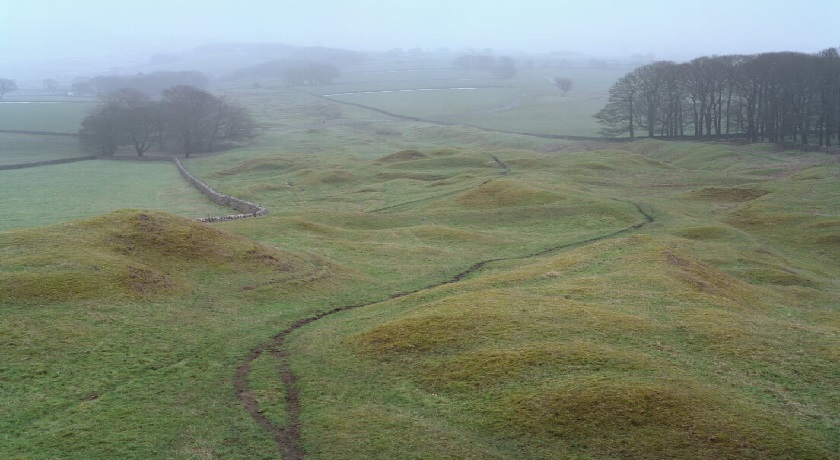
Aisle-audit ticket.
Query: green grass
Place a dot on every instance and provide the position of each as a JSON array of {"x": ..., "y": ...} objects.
[
  {"x": 120, "y": 334},
  {"x": 542, "y": 109},
  {"x": 28, "y": 148},
  {"x": 52, "y": 194},
  {"x": 58, "y": 117},
  {"x": 712, "y": 332}
]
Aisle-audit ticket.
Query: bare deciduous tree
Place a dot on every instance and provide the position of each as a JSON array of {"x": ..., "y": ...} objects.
[
  {"x": 186, "y": 119},
  {"x": 563, "y": 84},
  {"x": 7, "y": 86}
]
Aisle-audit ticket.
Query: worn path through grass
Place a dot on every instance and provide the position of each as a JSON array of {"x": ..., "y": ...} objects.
[{"x": 288, "y": 437}]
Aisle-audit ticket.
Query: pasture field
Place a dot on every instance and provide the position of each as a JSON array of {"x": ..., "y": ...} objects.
[
  {"x": 52, "y": 194},
  {"x": 31, "y": 148},
  {"x": 53, "y": 117},
  {"x": 529, "y": 103},
  {"x": 512, "y": 297}
]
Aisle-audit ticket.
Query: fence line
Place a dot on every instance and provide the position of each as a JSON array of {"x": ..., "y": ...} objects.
[{"x": 246, "y": 208}]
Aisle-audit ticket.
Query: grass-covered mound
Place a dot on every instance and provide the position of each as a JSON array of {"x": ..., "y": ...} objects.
[
  {"x": 404, "y": 155},
  {"x": 503, "y": 193},
  {"x": 626, "y": 348},
  {"x": 120, "y": 333},
  {"x": 126, "y": 255}
]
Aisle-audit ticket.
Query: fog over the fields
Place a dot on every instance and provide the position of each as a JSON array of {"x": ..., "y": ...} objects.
[{"x": 667, "y": 29}]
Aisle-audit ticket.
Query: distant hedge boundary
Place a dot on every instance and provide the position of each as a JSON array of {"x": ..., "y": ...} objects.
[
  {"x": 246, "y": 208},
  {"x": 46, "y": 162}
]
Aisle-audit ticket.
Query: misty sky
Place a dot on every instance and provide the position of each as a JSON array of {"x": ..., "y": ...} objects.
[{"x": 666, "y": 28}]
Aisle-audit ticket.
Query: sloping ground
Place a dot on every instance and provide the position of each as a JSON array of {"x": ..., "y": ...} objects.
[
  {"x": 713, "y": 334},
  {"x": 629, "y": 348},
  {"x": 125, "y": 255},
  {"x": 119, "y": 334}
]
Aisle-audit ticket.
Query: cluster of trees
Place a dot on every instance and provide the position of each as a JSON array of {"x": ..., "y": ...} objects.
[
  {"x": 150, "y": 83},
  {"x": 773, "y": 97},
  {"x": 7, "y": 86},
  {"x": 185, "y": 119},
  {"x": 292, "y": 72},
  {"x": 502, "y": 67}
]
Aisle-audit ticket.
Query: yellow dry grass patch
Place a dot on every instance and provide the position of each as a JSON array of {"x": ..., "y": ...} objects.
[
  {"x": 442, "y": 233},
  {"x": 459, "y": 321},
  {"x": 127, "y": 254},
  {"x": 423, "y": 177},
  {"x": 327, "y": 177},
  {"x": 706, "y": 232},
  {"x": 734, "y": 195},
  {"x": 485, "y": 368},
  {"x": 404, "y": 155},
  {"x": 700, "y": 280},
  {"x": 306, "y": 225},
  {"x": 505, "y": 193},
  {"x": 257, "y": 164},
  {"x": 650, "y": 418}
]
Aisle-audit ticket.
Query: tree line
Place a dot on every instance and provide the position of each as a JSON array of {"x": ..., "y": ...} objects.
[
  {"x": 185, "y": 119},
  {"x": 502, "y": 67},
  {"x": 767, "y": 97},
  {"x": 291, "y": 72},
  {"x": 148, "y": 83}
]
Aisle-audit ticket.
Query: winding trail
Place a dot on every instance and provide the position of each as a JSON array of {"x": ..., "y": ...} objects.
[
  {"x": 288, "y": 437},
  {"x": 514, "y": 103}
]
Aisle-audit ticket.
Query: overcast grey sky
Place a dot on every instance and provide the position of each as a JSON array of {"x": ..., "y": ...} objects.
[{"x": 667, "y": 28}]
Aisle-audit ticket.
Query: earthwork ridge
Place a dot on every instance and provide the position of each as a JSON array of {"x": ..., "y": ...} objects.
[{"x": 288, "y": 438}]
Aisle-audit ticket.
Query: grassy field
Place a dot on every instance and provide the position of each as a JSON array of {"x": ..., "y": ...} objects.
[
  {"x": 637, "y": 300},
  {"x": 540, "y": 109},
  {"x": 52, "y": 194},
  {"x": 55, "y": 117},
  {"x": 29, "y": 148}
]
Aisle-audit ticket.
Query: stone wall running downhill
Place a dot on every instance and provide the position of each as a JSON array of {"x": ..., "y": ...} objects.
[
  {"x": 246, "y": 208},
  {"x": 46, "y": 162}
]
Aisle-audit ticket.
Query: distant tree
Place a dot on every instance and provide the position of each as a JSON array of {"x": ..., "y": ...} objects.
[
  {"x": 82, "y": 86},
  {"x": 7, "y": 86},
  {"x": 395, "y": 52},
  {"x": 506, "y": 68},
  {"x": 51, "y": 86},
  {"x": 563, "y": 84},
  {"x": 476, "y": 61},
  {"x": 164, "y": 58},
  {"x": 189, "y": 114},
  {"x": 186, "y": 119},
  {"x": 136, "y": 117},
  {"x": 196, "y": 120},
  {"x": 618, "y": 116},
  {"x": 775, "y": 97},
  {"x": 100, "y": 131}
]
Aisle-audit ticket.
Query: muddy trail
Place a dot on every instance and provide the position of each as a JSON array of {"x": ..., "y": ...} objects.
[{"x": 288, "y": 436}]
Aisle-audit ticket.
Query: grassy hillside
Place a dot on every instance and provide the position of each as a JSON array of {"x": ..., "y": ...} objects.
[
  {"x": 494, "y": 296},
  {"x": 120, "y": 334}
]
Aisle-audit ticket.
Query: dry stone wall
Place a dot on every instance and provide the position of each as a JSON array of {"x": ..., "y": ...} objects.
[
  {"x": 45, "y": 163},
  {"x": 246, "y": 208}
]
